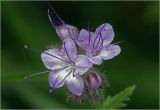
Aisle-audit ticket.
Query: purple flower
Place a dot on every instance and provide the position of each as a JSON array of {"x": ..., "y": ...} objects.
[
  {"x": 98, "y": 45},
  {"x": 63, "y": 30},
  {"x": 66, "y": 67}
]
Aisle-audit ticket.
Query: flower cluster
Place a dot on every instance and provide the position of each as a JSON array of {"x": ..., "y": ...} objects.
[{"x": 72, "y": 64}]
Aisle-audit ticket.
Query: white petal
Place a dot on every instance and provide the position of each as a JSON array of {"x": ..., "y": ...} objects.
[
  {"x": 103, "y": 53},
  {"x": 51, "y": 62},
  {"x": 95, "y": 59},
  {"x": 82, "y": 65},
  {"x": 57, "y": 78},
  {"x": 75, "y": 85},
  {"x": 113, "y": 50}
]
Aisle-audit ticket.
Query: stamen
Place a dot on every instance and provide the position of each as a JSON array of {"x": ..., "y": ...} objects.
[
  {"x": 89, "y": 34},
  {"x": 97, "y": 43},
  {"x": 55, "y": 82},
  {"x": 51, "y": 90},
  {"x": 27, "y": 77},
  {"x": 119, "y": 42},
  {"x": 72, "y": 31},
  {"x": 98, "y": 34},
  {"x": 38, "y": 50},
  {"x": 67, "y": 52},
  {"x": 102, "y": 39},
  {"x": 100, "y": 46},
  {"x": 63, "y": 79},
  {"x": 73, "y": 73},
  {"x": 53, "y": 17}
]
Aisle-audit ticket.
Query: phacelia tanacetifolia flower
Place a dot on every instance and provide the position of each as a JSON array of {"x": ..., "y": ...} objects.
[
  {"x": 66, "y": 67},
  {"x": 98, "y": 45}
]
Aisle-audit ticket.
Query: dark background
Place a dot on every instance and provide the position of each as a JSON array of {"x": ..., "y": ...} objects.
[{"x": 27, "y": 23}]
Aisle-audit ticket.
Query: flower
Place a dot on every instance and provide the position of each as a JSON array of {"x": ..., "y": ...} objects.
[
  {"x": 98, "y": 45},
  {"x": 93, "y": 80},
  {"x": 62, "y": 29},
  {"x": 66, "y": 67}
]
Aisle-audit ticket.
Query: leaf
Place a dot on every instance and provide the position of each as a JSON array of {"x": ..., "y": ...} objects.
[{"x": 117, "y": 101}]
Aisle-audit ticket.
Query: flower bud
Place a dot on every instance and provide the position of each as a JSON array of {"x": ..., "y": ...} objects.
[{"x": 93, "y": 80}]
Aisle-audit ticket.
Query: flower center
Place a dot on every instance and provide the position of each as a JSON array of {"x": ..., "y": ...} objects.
[
  {"x": 73, "y": 68},
  {"x": 95, "y": 53}
]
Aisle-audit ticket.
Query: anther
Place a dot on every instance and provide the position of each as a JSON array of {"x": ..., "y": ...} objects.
[
  {"x": 51, "y": 90},
  {"x": 26, "y": 46},
  {"x": 67, "y": 52},
  {"x": 26, "y": 78}
]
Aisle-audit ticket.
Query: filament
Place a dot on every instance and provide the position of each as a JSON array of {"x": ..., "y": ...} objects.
[
  {"x": 119, "y": 42},
  {"x": 55, "y": 86},
  {"x": 74, "y": 73},
  {"x": 38, "y": 50},
  {"x": 98, "y": 34},
  {"x": 67, "y": 52},
  {"x": 101, "y": 46},
  {"x": 89, "y": 33},
  {"x": 64, "y": 78},
  {"x": 50, "y": 6},
  {"x": 97, "y": 42},
  {"x": 29, "y": 76}
]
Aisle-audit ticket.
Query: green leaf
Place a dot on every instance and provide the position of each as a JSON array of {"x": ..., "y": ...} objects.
[{"x": 117, "y": 101}]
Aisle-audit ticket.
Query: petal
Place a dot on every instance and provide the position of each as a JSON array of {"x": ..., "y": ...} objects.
[
  {"x": 95, "y": 59},
  {"x": 84, "y": 39},
  {"x": 103, "y": 53},
  {"x": 57, "y": 78},
  {"x": 67, "y": 31},
  {"x": 107, "y": 33},
  {"x": 82, "y": 65},
  {"x": 97, "y": 42},
  {"x": 113, "y": 50},
  {"x": 52, "y": 62},
  {"x": 69, "y": 48},
  {"x": 75, "y": 85}
]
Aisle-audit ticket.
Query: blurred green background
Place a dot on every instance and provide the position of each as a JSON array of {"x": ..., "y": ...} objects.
[{"x": 27, "y": 23}]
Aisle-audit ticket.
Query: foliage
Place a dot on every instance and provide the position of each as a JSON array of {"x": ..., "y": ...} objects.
[{"x": 117, "y": 101}]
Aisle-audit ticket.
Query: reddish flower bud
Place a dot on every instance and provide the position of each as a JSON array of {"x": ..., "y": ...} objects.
[{"x": 93, "y": 80}]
